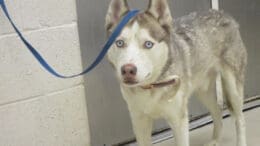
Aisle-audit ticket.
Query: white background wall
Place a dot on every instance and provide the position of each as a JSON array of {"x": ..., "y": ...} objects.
[{"x": 37, "y": 109}]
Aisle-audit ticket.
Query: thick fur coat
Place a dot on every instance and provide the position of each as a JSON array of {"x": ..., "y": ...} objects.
[{"x": 161, "y": 62}]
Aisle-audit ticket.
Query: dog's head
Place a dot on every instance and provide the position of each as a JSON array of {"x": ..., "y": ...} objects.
[{"x": 140, "y": 52}]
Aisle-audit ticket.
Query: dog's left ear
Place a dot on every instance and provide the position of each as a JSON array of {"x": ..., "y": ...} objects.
[
  {"x": 116, "y": 10},
  {"x": 160, "y": 10}
]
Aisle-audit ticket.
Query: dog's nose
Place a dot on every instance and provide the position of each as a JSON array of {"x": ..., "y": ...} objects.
[{"x": 128, "y": 70}]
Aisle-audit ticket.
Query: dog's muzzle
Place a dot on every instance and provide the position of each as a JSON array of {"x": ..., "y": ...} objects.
[{"x": 128, "y": 73}]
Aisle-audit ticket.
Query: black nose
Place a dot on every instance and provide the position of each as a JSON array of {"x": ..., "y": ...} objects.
[{"x": 128, "y": 70}]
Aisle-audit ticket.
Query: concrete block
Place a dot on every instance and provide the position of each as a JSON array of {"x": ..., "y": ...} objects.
[
  {"x": 40, "y": 14},
  {"x": 37, "y": 14},
  {"x": 21, "y": 76},
  {"x": 57, "y": 119},
  {"x": 15, "y": 11}
]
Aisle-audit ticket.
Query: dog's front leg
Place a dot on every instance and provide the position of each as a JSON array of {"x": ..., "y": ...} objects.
[
  {"x": 180, "y": 128},
  {"x": 179, "y": 123},
  {"x": 142, "y": 126},
  {"x": 182, "y": 132}
]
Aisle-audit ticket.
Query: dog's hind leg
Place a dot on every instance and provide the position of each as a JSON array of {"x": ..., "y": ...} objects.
[
  {"x": 142, "y": 126},
  {"x": 208, "y": 98},
  {"x": 233, "y": 89}
]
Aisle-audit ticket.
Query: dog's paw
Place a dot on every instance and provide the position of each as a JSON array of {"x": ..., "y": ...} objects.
[{"x": 212, "y": 143}]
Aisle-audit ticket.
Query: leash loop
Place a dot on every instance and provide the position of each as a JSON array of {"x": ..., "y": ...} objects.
[{"x": 98, "y": 59}]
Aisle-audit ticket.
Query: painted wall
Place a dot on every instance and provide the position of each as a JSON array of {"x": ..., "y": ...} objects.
[{"x": 37, "y": 109}]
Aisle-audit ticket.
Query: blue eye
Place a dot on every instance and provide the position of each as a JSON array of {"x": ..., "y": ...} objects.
[
  {"x": 148, "y": 44},
  {"x": 120, "y": 43}
]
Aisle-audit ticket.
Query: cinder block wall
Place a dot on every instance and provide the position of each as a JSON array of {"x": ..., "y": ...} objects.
[{"x": 37, "y": 109}]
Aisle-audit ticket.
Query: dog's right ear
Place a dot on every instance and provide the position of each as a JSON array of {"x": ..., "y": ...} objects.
[{"x": 116, "y": 10}]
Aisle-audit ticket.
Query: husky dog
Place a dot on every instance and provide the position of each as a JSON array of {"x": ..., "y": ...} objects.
[{"x": 161, "y": 63}]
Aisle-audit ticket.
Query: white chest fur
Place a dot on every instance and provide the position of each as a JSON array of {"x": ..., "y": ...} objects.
[{"x": 153, "y": 102}]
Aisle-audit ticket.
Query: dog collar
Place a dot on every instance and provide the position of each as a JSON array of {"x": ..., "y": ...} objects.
[{"x": 160, "y": 84}]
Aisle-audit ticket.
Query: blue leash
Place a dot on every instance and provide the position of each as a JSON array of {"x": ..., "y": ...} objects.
[{"x": 101, "y": 55}]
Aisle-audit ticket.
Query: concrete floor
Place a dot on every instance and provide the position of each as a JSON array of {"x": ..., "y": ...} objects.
[{"x": 202, "y": 135}]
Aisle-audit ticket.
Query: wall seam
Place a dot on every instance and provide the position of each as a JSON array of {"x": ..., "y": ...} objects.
[
  {"x": 28, "y": 31},
  {"x": 40, "y": 96}
]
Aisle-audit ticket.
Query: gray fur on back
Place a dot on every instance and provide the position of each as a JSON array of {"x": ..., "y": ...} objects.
[{"x": 204, "y": 43}]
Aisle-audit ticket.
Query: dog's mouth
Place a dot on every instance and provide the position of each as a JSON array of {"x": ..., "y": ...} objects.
[{"x": 130, "y": 82}]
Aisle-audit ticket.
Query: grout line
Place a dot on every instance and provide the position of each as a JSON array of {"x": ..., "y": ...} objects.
[
  {"x": 40, "y": 95},
  {"x": 215, "y": 4},
  {"x": 27, "y": 31}
]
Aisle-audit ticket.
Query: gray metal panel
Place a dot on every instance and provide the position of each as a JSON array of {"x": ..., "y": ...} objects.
[
  {"x": 108, "y": 115},
  {"x": 247, "y": 13}
]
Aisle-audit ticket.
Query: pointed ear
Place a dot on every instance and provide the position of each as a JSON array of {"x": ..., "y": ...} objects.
[
  {"x": 160, "y": 10},
  {"x": 116, "y": 10}
]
